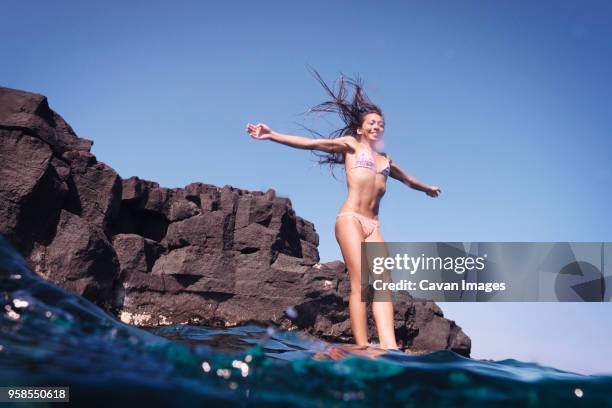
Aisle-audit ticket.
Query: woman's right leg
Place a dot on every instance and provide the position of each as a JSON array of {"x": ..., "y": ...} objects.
[
  {"x": 382, "y": 305},
  {"x": 349, "y": 236}
]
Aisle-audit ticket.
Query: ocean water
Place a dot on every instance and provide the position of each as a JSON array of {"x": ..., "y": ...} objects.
[{"x": 49, "y": 337}]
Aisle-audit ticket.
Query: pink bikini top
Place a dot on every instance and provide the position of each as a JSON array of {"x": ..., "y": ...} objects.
[{"x": 365, "y": 159}]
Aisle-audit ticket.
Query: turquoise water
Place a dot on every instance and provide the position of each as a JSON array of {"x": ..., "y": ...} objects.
[{"x": 50, "y": 337}]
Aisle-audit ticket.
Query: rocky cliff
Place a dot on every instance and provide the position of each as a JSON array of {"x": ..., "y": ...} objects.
[{"x": 151, "y": 255}]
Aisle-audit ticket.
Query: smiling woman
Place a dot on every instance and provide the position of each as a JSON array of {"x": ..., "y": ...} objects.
[{"x": 359, "y": 146}]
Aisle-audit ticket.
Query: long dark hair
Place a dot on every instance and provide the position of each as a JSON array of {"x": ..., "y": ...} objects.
[{"x": 351, "y": 113}]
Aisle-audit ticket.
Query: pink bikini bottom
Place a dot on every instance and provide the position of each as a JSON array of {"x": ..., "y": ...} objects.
[{"x": 368, "y": 225}]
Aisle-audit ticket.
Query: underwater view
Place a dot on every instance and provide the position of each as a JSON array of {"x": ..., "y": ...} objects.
[{"x": 50, "y": 337}]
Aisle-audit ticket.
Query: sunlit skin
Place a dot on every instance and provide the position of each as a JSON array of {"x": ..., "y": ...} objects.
[
  {"x": 365, "y": 190},
  {"x": 342, "y": 351}
]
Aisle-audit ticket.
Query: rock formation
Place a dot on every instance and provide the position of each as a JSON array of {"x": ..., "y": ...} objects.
[{"x": 152, "y": 255}]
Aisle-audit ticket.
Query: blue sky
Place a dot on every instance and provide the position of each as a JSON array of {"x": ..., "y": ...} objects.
[{"x": 504, "y": 105}]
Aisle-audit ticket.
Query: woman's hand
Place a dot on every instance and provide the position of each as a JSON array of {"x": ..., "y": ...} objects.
[
  {"x": 433, "y": 191},
  {"x": 259, "y": 131}
]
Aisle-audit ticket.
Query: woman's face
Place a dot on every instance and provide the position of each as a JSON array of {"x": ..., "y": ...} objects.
[{"x": 372, "y": 129}]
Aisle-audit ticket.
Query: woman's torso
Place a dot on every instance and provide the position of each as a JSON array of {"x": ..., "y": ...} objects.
[{"x": 366, "y": 177}]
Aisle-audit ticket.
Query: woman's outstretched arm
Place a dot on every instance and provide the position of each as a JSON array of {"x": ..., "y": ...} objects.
[
  {"x": 400, "y": 175},
  {"x": 338, "y": 145}
]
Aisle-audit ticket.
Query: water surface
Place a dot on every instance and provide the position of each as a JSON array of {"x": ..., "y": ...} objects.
[{"x": 51, "y": 337}]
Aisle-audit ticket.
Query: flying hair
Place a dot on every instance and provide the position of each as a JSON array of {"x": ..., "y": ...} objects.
[{"x": 351, "y": 104}]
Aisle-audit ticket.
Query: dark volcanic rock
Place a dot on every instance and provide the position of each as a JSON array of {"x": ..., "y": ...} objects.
[
  {"x": 29, "y": 113},
  {"x": 95, "y": 191},
  {"x": 31, "y": 190},
  {"x": 152, "y": 255},
  {"x": 79, "y": 258}
]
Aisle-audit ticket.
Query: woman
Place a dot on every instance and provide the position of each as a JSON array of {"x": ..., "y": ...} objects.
[{"x": 358, "y": 145}]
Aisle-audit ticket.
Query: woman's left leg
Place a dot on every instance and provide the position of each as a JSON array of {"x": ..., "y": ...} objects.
[{"x": 383, "y": 310}]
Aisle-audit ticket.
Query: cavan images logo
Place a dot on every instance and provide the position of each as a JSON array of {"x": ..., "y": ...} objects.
[
  {"x": 491, "y": 271},
  {"x": 583, "y": 280}
]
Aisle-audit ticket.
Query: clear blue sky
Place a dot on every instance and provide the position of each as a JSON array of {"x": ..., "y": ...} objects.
[{"x": 505, "y": 105}]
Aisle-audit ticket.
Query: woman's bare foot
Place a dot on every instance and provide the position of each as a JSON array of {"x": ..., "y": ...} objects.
[{"x": 344, "y": 350}]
